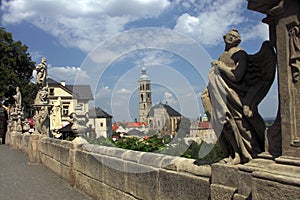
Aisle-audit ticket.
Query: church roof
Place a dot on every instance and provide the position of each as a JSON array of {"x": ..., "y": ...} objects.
[{"x": 171, "y": 111}]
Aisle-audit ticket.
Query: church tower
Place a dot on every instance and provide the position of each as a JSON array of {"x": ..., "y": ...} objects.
[{"x": 145, "y": 100}]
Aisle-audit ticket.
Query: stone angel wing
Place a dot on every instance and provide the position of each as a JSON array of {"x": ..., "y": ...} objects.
[{"x": 260, "y": 74}]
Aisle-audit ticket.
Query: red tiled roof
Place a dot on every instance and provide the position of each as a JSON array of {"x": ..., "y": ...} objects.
[
  {"x": 205, "y": 125},
  {"x": 116, "y": 125}
]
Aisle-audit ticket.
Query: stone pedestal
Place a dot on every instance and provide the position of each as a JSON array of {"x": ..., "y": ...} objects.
[
  {"x": 258, "y": 179},
  {"x": 33, "y": 154}
]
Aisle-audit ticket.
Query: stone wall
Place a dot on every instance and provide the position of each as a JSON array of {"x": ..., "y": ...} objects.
[{"x": 113, "y": 173}]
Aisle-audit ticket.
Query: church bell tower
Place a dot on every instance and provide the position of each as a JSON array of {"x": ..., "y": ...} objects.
[{"x": 145, "y": 100}]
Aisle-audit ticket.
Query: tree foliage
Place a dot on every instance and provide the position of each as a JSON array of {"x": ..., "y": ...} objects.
[{"x": 15, "y": 70}]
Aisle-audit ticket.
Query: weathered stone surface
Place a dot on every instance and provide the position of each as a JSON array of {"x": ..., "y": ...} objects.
[
  {"x": 89, "y": 164},
  {"x": 190, "y": 166},
  {"x": 33, "y": 149},
  {"x": 133, "y": 156},
  {"x": 142, "y": 181},
  {"x": 98, "y": 190},
  {"x": 25, "y": 143},
  {"x": 182, "y": 186},
  {"x": 115, "y": 152},
  {"x": 113, "y": 194},
  {"x": 89, "y": 186},
  {"x": 78, "y": 141},
  {"x": 114, "y": 172},
  {"x": 266, "y": 189},
  {"x": 240, "y": 197},
  {"x": 97, "y": 149},
  {"x": 218, "y": 192},
  {"x": 55, "y": 166},
  {"x": 225, "y": 175},
  {"x": 151, "y": 159},
  {"x": 168, "y": 163}
]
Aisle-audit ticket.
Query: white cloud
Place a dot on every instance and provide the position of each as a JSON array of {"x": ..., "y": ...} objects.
[
  {"x": 168, "y": 97},
  {"x": 214, "y": 19},
  {"x": 80, "y": 23},
  {"x": 36, "y": 56},
  {"x": 123, "y": 91},
  {"x": 69, "y": 74},
  {"x": 258, "y": 31},
  {"x": 152, "y": 57}
]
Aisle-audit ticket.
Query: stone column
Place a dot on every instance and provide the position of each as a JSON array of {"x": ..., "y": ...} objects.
[{"x": 283, "y": 19}]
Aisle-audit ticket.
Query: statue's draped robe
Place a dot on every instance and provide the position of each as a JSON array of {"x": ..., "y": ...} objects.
[{"x": 223, "y": 101}]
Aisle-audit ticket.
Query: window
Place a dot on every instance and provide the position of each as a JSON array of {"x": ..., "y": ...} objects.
[
  {"x": 147, "y": 86},
  {"x": 51, "y": 91},
  {"x": 79, "y": 107},
  {"x": 65, "y": 110},
  {"x": 101, "y": 124}
]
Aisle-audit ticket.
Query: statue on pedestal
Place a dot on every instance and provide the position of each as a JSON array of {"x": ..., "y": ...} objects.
[
  {"x": 41, "y": 117},
  {"x": 18, "y": 99},
  {"x": 41, "y": 73},
  {"x": 237, "y": 84}
]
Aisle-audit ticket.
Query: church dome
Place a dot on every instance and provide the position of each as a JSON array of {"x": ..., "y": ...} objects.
[{"x": 144, "y": 75}]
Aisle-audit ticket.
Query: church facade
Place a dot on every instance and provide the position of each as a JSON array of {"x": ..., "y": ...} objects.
[{"x": 161, "y": 118}]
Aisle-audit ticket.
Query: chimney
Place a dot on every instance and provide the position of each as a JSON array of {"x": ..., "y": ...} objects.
[{"x": 63, "y": 83}]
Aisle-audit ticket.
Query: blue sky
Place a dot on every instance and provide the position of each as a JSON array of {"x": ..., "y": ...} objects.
[{"x": 105, "y": 43}]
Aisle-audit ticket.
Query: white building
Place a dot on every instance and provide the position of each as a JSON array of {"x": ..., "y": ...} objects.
[
  {"x": 74, "y": 98},
  {"x": 101, "y": 122}
]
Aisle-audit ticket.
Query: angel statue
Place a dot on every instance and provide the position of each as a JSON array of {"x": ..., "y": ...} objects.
[{"x": 237, "y": 84}]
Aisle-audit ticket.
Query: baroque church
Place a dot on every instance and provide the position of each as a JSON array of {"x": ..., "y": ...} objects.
[{"x": 160, "y": 117}]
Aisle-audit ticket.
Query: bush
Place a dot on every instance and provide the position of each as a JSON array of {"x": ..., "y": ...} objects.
[{"x": 203, "y": 152}]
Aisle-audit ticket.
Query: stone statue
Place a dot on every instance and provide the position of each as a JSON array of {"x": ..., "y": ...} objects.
[
  {"x": 40, "y": 119},
  {"x": 79, "y": 122},
  {"x": 294, "y": 51},
  {"x": 18, "y": 99},
  {"x": 42, "y": 96},
  {"x": 56, "y": 115},
  {"x": 41, "y": 75},
  {"x": 237, "y": 84}
]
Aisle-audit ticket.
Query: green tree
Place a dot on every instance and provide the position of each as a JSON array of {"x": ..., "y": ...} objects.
[{"x": 15, "y": 70}]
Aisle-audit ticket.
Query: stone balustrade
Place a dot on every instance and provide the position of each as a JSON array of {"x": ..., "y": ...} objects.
[{"x": 113, "y": 173}]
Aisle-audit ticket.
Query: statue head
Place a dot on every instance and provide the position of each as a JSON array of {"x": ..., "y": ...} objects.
[
  {"x": 233, "y": 37},
  {"x": 44, "y": 60}
]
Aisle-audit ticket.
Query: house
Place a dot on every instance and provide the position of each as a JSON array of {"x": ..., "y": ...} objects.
[
  {"x": 101, "y": 122},
  {"x": 74, "y": 98},
  {"x": 203, "y": 131},
  {"x": 164, "y": 119},
  {"x": 125, "y": 127}
]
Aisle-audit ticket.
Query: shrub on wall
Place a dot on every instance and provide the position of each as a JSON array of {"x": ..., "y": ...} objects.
[{"x": 158, "y": 145}]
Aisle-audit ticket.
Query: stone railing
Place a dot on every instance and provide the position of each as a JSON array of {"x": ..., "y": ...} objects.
[{"x": 113, "y": 173}]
